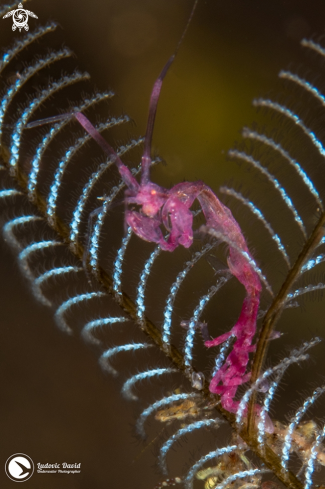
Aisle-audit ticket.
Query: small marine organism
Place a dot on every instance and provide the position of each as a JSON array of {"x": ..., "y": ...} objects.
[
  {"x": 153, "y": 211},
  {"x": 180, "y": 412}
]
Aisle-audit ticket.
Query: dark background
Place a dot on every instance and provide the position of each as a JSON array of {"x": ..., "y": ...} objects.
[{"x": 56, "y": 404}]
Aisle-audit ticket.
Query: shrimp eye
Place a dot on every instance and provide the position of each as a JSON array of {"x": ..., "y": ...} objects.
[{"x": 153, "y": 192}]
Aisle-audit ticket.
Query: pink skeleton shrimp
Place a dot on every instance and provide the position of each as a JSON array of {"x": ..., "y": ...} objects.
[{"x": 171, "y": 208}]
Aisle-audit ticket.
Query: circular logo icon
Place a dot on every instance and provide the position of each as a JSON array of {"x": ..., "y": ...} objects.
[{"x": 19, "y": 467}]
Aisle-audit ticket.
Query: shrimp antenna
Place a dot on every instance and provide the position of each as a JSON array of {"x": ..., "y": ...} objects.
[{"x": 154, "y": 98}]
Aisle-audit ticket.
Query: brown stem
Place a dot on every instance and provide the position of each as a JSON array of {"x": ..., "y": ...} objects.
[{"x": 275, "y": 311}]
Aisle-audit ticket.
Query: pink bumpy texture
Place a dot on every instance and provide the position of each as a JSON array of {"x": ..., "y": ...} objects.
[{"x": 172, "y": 209}]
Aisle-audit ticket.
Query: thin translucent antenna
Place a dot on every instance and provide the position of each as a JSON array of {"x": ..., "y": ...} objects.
[
  {"x": 41, "y": 148},
  {"x": 16, "y": 136},
  {"x": 88, "y": 188},
  {"x": 125, "y": 173},
  {"x": 154, "y": 98},
  {"x": 92, "y": 131},
  {"x": 27, "y": 74},
  {"x": 61, "y": 168},
  {"x": 50, "y": 120}
]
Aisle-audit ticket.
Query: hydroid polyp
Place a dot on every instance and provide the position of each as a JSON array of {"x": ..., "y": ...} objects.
[{"x": 204, "y": 281}]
